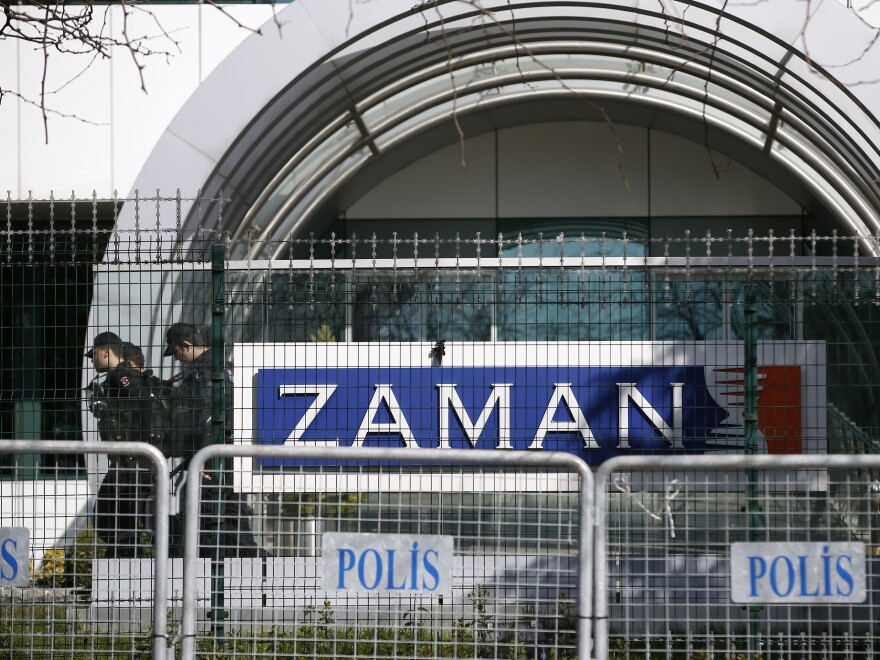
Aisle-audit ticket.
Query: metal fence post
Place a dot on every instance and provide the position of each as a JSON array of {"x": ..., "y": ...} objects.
[
  {"x": 587, "y": 515},
  {"x": 750, "y": 420},
  {"x": 218, "y": 437},
  {"x": 600, "y": 564}
]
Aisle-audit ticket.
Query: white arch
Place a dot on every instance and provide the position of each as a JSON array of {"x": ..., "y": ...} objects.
[{"x": 211, "y": 124}]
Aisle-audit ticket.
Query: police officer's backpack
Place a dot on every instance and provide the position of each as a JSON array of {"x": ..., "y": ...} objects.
[{"x": 160, "y": 413}]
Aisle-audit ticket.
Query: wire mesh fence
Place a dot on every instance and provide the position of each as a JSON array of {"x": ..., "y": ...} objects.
[
  {"x": 451, "y": 554},
  {"x": 758, "y": 556},
  {"x": 71, "y": 602},
  {"x": 583, "y": 341}
]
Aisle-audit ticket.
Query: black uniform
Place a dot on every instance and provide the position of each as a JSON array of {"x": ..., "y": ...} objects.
[
  {"x": 191, "y": 430},
  {"x": 122, "y": 408},
  {"x": 192, "y": 407}
]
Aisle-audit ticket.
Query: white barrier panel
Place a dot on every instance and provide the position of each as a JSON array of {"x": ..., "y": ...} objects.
[
  {"x": 471, "y": 573},
  {"x": 686, "y": 564}
]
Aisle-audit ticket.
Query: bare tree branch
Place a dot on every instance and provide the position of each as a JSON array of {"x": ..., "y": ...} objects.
[
  {"x": 490, "y": 14},
  {"x": 451, "y": 72},
  {"x": 717, "y": 168},
  {"x": 232, "y": 18},
  {"x": 51, "y": 111},
  {"x": 57, "y": 28},
  {"x": 45, "y": 50}
]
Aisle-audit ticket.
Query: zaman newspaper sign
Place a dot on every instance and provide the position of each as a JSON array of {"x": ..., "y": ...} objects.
[{"x": 592, "y": 399}]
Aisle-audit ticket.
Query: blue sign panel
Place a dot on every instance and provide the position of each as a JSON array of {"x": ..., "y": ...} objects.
[
  {"x": 14, "y": 554},
  {"x": 594, "y": 412},
  {"x": 592, "y": 399}
]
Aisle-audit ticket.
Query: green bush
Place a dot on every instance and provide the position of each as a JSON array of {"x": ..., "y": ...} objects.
[{"x": 71, "y": 567}]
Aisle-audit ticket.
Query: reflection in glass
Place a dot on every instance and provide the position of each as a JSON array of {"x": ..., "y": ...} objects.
[
  {"x": 547, "y": 304},
  {"x": 444, "y": 308},
  {"x": 305, "y": 307},
  {"x": 714, "y": 310}
]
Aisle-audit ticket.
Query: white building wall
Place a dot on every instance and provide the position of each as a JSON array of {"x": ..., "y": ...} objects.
[
  {"x": 101, "y": 125},
  {"x": 53, "y": 510},
  {"x": 684, "y": 183},
  {"x": 437, "y": 186},
  {"x": 572, "y": 169}
]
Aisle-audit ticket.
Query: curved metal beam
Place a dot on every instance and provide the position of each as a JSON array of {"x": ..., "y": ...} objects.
[
  {"x": 810, "y": 177},
  {"x": 563, "y": 77}
]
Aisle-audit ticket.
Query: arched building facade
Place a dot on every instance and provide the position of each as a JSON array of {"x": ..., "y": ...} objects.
[
  {"x": 629, "y": 130},
  {"x": 369, "y": 94}
]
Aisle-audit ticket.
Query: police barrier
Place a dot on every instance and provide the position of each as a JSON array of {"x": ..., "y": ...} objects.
[
  {"x": 736, "y": 556},
  {"x": 59, "y": 625},
  {"x": 685, "y": 557},
  {"x": 394, "y": 569}
]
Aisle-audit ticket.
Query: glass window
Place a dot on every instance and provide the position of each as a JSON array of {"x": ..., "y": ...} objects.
[
  {"x": 423, "y": 310},
  {"x": 714, "y": 310},
  {"x": 549, "y": 305},
  {"x": 45, "y": 293},
  {"x": 303, "y": 307}
]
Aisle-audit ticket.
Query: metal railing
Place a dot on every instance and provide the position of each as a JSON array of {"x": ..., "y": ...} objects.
[
  {"x": 20, "y": 606},
  {"x": 575, "y": 313},
  {"x": 667, "y": 580},
  {"x": 658, "y": 565},
  {"x": 507, "y": 589}
]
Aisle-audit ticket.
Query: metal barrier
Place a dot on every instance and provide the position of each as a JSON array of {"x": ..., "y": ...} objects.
[
  {"x": 520, "y": 581},
  {"x": 45, "y": 616},
  {"x": 664, "y": 570},
  {"x": 736, "y": 556}
]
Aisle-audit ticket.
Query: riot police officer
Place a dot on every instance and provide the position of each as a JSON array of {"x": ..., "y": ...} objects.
[
  {"x": 121, "y": 405},
  {"x": 191, "y": 413}
]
